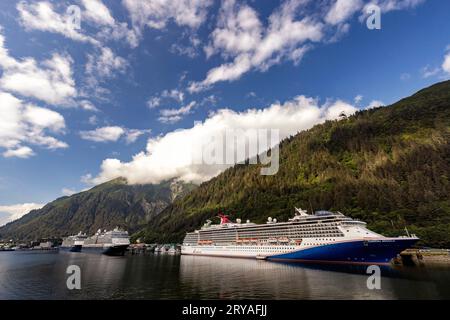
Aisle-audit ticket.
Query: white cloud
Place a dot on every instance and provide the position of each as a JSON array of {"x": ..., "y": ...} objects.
[
  {"x": 388, "y": 5},
  {"x": 105, "y": 64},
  {"x": 104, "y": 134},
  {"x": 175, "y": 115},
  {"x": 171, "y": 155},
  {"x": 428, "y": 72},
  {"x": 68, "y": 191},
  {"x": 132, "y": 135},
  {"x": 157, "y": 100},
  {"x": 342, "y": 10},
  {"x": 246, "y": 43},
  {"x": 93, "y": 120},
  {"x": 157, "y": 13},
  {"x": 118, "y": 32},
  {"x": 241, "y": 36},
  {"x": 358, "y": 98},
  {"x": 102, "y": 65},
  {"x": 239, "y": 29},
  {"x": 338, "y": 109},
  {"x": 52, "y": 84},
  {"x": 153, "y": 102},
  {"x": 112, "y": 134},
  {"x": 22, "y": 123},
  {"x": 12, "y": 128},
  {"x": 16, "y": 211},
  {"x": 446, "y": 63},
  {"x": 182, "y": 50},
  {"x": 100, "y": 16},
  {"x": 441, "y": 71},
  {"x": 97, "y": 12},
  {"x": 44, "y": 118},
  {"x": 174, "y": 94},
  {"x": 375, "y": 104},
  {"x": 191, "y": 49},
  {"x": 88, "y": 106},
  {"x": 209, "y": 101},
  {"x": 391, "y": 5},
  {"x": 87, "y": 178},
  {"x": 20, "y": 152},
  {"x": 42, "y": 16},
  {"x": 50, "y": 81}
]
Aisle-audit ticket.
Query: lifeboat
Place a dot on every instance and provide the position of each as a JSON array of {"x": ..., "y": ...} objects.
[
  {"x": 283, "y": 240},
  {"x": 200, "y": 242}
]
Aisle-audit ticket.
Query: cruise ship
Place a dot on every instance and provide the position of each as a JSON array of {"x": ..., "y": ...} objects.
[
  {"x": 113, "y": 243},
  {"x": 74, "y": 243},
  {"x": 324, "y": 236}
]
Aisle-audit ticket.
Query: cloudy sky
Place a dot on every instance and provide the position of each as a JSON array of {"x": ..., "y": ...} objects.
[{"x": 139, "y": 84}]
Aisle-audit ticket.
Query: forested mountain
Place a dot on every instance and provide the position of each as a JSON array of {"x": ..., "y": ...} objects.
[
  {"x": 388, "y": 166},
  {"x": 105, "y": 206}
]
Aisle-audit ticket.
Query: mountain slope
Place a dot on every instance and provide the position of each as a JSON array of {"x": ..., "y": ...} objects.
[
  {"x": 387, "y": 166},
  {"x": 111, "y": 204}
]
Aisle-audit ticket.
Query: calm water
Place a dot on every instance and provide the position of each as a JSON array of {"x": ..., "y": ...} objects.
[{"x": 25, "y": 275}]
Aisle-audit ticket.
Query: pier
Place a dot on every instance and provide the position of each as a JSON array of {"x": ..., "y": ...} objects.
[
  {"x": 413, "y": 257},
  {"x": 154, "y": 248}
]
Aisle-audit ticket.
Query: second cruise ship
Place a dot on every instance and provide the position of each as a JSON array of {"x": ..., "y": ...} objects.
[
  {"x": 320, "y": 237},
  {"x": 114, "y": 242}
]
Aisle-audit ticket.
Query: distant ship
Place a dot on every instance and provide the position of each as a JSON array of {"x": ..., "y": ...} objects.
[
  {"x": 320, "y": 237},
  {"x": 114, "y": 242},
  {"x": 74, "y": 243}
]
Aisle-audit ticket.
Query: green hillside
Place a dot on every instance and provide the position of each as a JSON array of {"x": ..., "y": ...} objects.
[
  {"x": 105, "y": 206},
  {"x": 387, "y": 166}
]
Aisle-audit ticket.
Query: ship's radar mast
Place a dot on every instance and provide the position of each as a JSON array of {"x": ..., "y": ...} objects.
[{"x": 301, "y": 212}]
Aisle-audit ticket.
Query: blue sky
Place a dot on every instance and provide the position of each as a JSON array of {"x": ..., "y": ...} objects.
[{"x": 136, "y": 72}]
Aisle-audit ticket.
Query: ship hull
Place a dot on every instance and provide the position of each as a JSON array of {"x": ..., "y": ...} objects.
[
  {"x": 379, "y": 251},
  {"x": 355, "y": 252},
  {"x": 117, "y": 250},
  {"x": 74, "y": 248}
]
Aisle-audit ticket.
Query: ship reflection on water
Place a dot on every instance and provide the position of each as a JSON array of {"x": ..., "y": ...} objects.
[
  {"x": 253, "y": 279},
  {"x": 43, "y": 276}
]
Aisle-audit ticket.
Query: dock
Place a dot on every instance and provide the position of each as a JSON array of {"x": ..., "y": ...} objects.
[
  {"x": 153, "y": 248},
  {"x": 412, "y": 257}
]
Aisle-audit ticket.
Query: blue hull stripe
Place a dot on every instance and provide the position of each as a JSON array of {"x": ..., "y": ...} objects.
[
  {"x": 360, "y": 251},
  {"x": 111, "y": 251}
]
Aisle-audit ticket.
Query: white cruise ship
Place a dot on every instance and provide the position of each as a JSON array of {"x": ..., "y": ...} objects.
[
  {"x": 74, "y": 243},
  {"x": 320, "y": 237},
  {"x": 114, "y": 242}
]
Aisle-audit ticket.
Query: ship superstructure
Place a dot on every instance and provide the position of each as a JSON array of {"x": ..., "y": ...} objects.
[
  {"x": 74, "y": 243},
  {"x": 113, "y": 242},
  {"x": 320, "y": 237}
]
